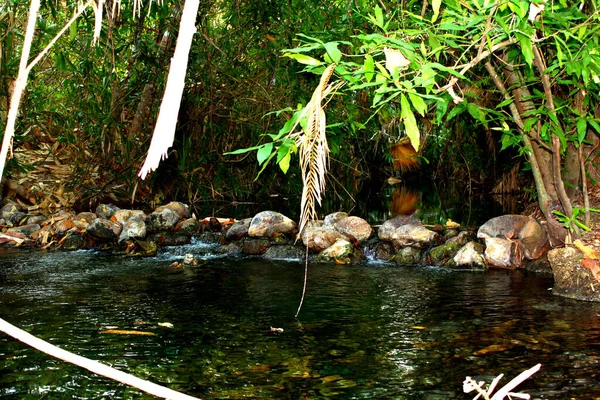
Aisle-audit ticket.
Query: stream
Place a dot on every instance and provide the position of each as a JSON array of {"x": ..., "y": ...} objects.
[{"x": 369, "y": 331}]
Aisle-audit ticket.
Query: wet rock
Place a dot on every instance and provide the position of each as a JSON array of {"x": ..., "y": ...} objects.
[
  {"x": 181, "y": 210},
  {"x": 269, "y": 223},
  {"x": 12, "y": 215},
  {"x": 133, "y": 228},
  {"x": 210, "y": 237},
  {"x": 469, "y": 256},
  {"x": 189, "y": 259},
  {"x": 354, "y": 227},
  {"x": 83, "y": 219},
  {"x": 408, "y": 256},
  {"x": 145, "y": 248},
  {"x": 539, "y": 266},
  {"x": 450, "y": 233},
  {"x": 527, "y": 232},
  {"x": 35, "y": 219},
  {"x": 238, "y": 230},
  {"x": 25, "y": 229},
  {"x": 461, "y": 238},
  {"x": 168, "y": 238},
  {"x": 189, "y": 226},
  {"x": 104, "y": 229},
  {"x": 231, "y": 249},
  {"x": 161, "y": 220},
  {"x": 502, "y": 253},
  {"x": 406, "y": 231},
  {"x": 121, "y": 216},
  {"x": 441, "y": 254},
  {"x": 285, "y": 252},
  {"x": 380, "y": 251},
  {"x": 317, "y": 237},
  {"x": 212, "y": 224},
  {"x": 65, "y": 225},
  {"x": 74, "y": 241},
  {"x": 333, "y": 218},
  {"x": 341, "y": 252},
  {"x": 571, "y": 278},
  {"x": 254, "y": 246},
  {"x": 105, "y": 211}
]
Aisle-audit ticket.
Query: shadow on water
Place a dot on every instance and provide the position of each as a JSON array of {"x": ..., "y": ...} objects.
[{"x": 369, "y": 331}]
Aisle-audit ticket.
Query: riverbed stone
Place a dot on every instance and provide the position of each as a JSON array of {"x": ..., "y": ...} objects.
[
  {"x": 238, "y": 230},
  {"x": 36, "y": 219},
  {"x": 409, "y": 256},
  {"x": 317, "y": 237},
  {"x": 74, "y": 241},
  {"x": 104, "y": 229},
  {"x": 12, "y": 215},
  {"x": 161, "y": 220},
  {"x": 168, "y": 238},
  {"x": 121, "y": 216},
  {"x": 285, "y": 252},
  {"x": 575, "y": 277},
  {"x": 469, "y": 256},
  {"x": 354, "y": 228},
  {"x": 333, "y": 218},
  {"x": 406, "y": 231},
  {"x": 461, "y": 238},
  {"x": 66, "y": 225},
  {"x": 503, "y": 253},
  {"x": 133, "y": 228},
  {"x": 188, "y": 226},
  {"x": 270, "y": 223},
  {"x": 527, "y": 232},
  {"x": 380, "y": 251},
  {"x": 106, "y": 211},
  {"x": 180, "y": 209},
  {"x": 254, "y": 246},
  {"x": 341, "y": 252},
  {"x": 231, "y": 249},
  {"x": 439, "y": 255}
]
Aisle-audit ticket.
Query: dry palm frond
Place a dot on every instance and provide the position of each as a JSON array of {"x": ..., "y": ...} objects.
[{"x": 313, "y": 149}]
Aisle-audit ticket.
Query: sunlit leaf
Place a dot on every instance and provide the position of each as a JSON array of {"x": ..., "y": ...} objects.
[
  {"x": 394, "y": 60},
  {"x": 264, "y": 152},
  {"x": 369, "y": 67},
  {"x": 304, "y": 59},
  {"x": 418, "y": 103},
  {"x": 581, "y": 129},
  {"x": 410, "y": 123},
  {"x": 436, "y": 9},
  {"x": 334, "y": 53}
]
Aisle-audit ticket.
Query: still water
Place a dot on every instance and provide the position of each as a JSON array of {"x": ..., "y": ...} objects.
[{"x": 368, "y": 331}]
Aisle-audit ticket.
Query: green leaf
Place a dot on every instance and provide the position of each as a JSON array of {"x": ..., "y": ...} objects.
[
  {"x": 418, "y": 103},
  {"x": 334, "y": 53},
  {"x": 73, "y": 30},
  {"x": 264, "y": 152},
  {"x": 242, "y": 151},
  {"x": 410, "y": 123},
  {"x": 581, "y": 130},
  {"x": 284, "y": 164},
  {"x": 379, "y": 17},
  {"x": 436, "y": 9},
  {"x": 505, "y": 103},
  {"x": 526, "y": 48},
  {"x": 303, "y": 59},
  {"x": 477, "y": 113},
  {"x": 369, "y": 67}
]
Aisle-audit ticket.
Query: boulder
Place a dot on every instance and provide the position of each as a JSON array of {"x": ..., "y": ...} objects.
[
  {"x": 333, "y": 218},
  {"x": 341, "y": 252},
  {"x": 83, "y": 219},
  {"x": 12, "y": 215},
  {"x": 461, "y": 238},
  {"x": 254, "y": 246},
  {"x": 230, "y": 249},
  {"x": 318, "y": 237},
  {"x": 503, "y": 253},
  {"x": 469, "y": 256},
  {"x": 441, "y": 254},
  {"x": 238, "y": 230},
  {"x": 105, "y": 211},
  {"x": 405, "y": 231},
  {"x": 161, "y": 220},
  {"x": 188, "y": 226},
  {"x": 104, "y": 229},
  {"x": 529, "y": 235},
  {"x": 285, "y": 252},
  {"x": 353, "y": 227},
  {"x": 575, "y": 277},
  {"x": 133, "y": 228},
  {"x": 66, "y": 225},
  {"x": 168, "y": 238},
  {"x": 377, "y": 250},
  {"x": 182, "y": 210},
  {"x": 270, "y": 223},
  {"x": 121, "y": 216},
  {"x": 409, "y": 256},
  {"x": 35, "y": 219}
]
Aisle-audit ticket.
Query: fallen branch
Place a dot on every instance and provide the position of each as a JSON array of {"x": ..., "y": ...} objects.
[{"x": 91, "y": 365}]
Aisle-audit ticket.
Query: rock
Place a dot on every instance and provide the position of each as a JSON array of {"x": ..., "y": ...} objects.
[
  {"x": 539, "y": 266},
  {"x": 503, "y": 253},
  {"x": 85, "y": 216},
  {"x": 104, "y": 229},
  {"x": 188, "y": 226},
  {"x": 285, "y": 252},
  {"x": 168, "y": 238},
  {"x": 161, "y": 220},
  {"x": 318, "y": 237},
  {"x": 461, "y": 238},
  {"x": 25, "y": 229},
  {"x": 231, "y": 249},
  {"x": 332, "y": 219},
  {"x": 133, "y": 228},
  {"x": 181, "y": 210},
  {"x": 341, "y": 252},
  {"x": 469, "y": 256},
  {"x": 254, "y": 246},
  {"x": 74, "y": 242},
  {"x": 406, "y": 231},
  {"x": 212, "y": 224},
  {"x": 353, "y": 227},
  {"x": 269, "y": 223},
  {"x": 105, "y": 211},
  {"x": 441, "y": 254},
  {"x": 12, "y": 215},
  {"x": 65, "y": 225},
  {"x": 145, "y": 248},
  {"x": 528, "y": 233},
  {"x": 189, "y": 259},
  {"x": 121, "y": 216},
  {"x": 380, "y": 251},
  {"x": 210, "y": 237},
  {"x": 408, "y": 256},
  {"x": 238, "y": 230},
  {"x": 35, "y": 219},
  {"x": 571, "y": 278}
]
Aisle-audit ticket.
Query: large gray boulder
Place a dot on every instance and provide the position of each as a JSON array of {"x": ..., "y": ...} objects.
[
  {"x": 354, "y": 228},
  {"x": 133, "y": 228},
  {"x": 405, "y": 231},
  {"x": 182, "y": 210},
  {"x": 238, "y": 230},
  {"x": 503, "y": 253},
  {"x": 528, "y": 234},
  {"x": 271, "y": 223},
  {"x": 161, "y": 220},
  {"x": 469, "y": 256},
  {"x": 104, "y": 230}
]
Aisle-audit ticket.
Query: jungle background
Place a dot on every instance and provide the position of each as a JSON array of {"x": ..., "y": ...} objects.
[{"x": 88, "y": 114}]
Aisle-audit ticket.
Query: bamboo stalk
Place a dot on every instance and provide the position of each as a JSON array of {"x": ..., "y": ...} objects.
[{"x": 91, "y": 365}]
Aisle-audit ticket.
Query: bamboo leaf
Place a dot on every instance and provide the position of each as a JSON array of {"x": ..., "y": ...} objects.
[
  {"x": 410, "y": 123},
  {"x": 581, "y": 130},
  {"x": 369, "y": 67},
  {"x": 334, "y": 53},
  {"x": 418, "y": 103},
  {"x": 436, "y": 9},
  {"x": 264, "y": 152},
  {"x": 304, "y": 59}
]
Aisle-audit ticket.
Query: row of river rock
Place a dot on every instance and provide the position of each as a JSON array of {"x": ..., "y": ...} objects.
[{"x": 504, "y": 242}]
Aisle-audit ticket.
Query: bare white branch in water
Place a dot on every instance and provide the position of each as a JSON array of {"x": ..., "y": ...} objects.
[{"x": 469, "y": 385}]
